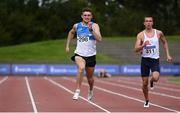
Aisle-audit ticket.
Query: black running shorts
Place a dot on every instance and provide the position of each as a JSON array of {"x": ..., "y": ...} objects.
[
  {"x": 90, "y": 61},
  {"x": 149, "y": 64}
]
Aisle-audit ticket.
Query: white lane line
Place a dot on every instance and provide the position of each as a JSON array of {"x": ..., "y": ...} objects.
[
  {"x": 137, "y": 89},
  {"x": 66, "y": 89},
  {"x": 31, "y": 96},
  {"x": 125, "y": 96},
  {"x": 162, "y": 83},
  {"x": 160, "y": 87},
  {"x": 4, "y": 79}
]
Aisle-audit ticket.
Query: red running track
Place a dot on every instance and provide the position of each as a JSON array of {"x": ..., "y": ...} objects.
[{"x": 54, "y": 94}]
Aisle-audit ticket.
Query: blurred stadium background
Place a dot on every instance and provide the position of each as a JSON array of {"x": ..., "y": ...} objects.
[{"x": 34, "y": 32}]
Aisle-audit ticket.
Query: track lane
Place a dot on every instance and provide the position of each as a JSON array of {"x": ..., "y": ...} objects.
[
  {"x": 163, "y": 81},
  {"x": 167, "y": 92},
  {"x": 112, "y": 102},
  {"x": 14, "y": 96},
  {"x": 134, "y": 95},
  {"x": 168, "y": 102},
  {"x": 50, "y": 98},
  {"x": 3, "y": 79}
]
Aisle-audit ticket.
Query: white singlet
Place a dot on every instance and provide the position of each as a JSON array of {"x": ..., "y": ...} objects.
[
  {"x": 152, "y": 50},
  {"x": 86, "y": 42}
]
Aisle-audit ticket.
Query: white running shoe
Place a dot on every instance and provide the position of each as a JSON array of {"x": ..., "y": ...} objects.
[
  {"x": 76, "y": 94},
  {"x": 146, "y": 104},
  {"x": 90, "y": 95}
]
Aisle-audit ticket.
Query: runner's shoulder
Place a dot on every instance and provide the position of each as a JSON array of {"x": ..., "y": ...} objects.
[{"x": 140, "y": 35}]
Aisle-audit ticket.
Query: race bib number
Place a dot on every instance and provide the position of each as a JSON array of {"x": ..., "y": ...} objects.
[
  {"x": 83, "y": 39},
  {"x": 150, "y": 50}
]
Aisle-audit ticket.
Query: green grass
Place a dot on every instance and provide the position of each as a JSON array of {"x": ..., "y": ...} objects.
[
  {"x": 173, "y": 38},
  {"x": 47, "y": 51},
  {"x": 42, "y": 52},
  {"x": 53, "y": 51}
]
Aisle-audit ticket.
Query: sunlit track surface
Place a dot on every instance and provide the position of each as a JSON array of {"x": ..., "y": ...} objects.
[
  {"x": 14, "y": 95},
  {"x": 2, "y": 79},
  {"x": 129, "y": 94},
  {"x": 54, "y": 94}
]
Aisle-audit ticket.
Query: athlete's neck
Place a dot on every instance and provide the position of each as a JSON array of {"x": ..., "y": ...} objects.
[
  {"x": 84, "y": 23},
  {"x": 149, "y": 30}
]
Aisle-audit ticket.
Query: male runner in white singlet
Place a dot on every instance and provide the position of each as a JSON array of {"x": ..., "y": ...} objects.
[
  {"x": 148, "y": 44},
  {"x": 88, "y": 33}
]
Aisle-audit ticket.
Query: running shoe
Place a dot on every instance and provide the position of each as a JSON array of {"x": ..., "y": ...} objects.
[
  {"x": 90, "y": 95},
  {"x": 146, "y": 104},
  {"x": 76, "y": 94},
  {"x": 151, "y": 85}
]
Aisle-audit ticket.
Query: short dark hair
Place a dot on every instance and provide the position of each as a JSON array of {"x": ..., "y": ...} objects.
[
  {"x": 86, "y": 9},
  {"x": 148, "y": 16}
]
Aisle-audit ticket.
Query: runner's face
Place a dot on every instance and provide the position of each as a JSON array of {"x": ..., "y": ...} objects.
[
  {"x": 86, "y": 16},
  {"x": 148, "y": 22}
]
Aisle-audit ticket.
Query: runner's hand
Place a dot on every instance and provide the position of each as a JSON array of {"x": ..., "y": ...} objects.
[
  {"x": 90, "y": 26},
  {"x": 146, "y": 43},
  {"x": 169, "y": 59},
  {"x": 67, "y": 49}
]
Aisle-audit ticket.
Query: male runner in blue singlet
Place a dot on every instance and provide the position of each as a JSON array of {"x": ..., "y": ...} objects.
[{"x": 88, "y": 33}]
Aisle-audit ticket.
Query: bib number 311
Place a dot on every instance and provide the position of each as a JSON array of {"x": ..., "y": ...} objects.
[{"x": 150, "y": 51}]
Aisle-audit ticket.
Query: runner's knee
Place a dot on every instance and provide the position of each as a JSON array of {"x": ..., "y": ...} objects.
[
  {"x": 145, "y": 87},
  {"x": 156, "y": 79},
  {"x": 81, "y": 69},
  {"x": 90, "y": 79},
  {"x": 155, "y": 76},
  {"x": 145, "y": 83}
]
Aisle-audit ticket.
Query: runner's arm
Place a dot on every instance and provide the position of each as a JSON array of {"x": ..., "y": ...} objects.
[
  {"x": 70, "y": 37},
  {"x": 165, "y": 45},
  {"x": 139, "y": 45},
  {"x": 96, "y": 32}
]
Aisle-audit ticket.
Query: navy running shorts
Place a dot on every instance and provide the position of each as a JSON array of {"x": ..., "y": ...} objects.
[
  {"x": 90, "y": 61},
  {"x": 149, "y": 64}
]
